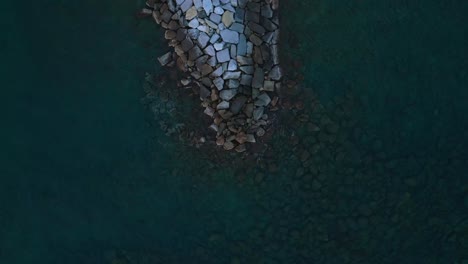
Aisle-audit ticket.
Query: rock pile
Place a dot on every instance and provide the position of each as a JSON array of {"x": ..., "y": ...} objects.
[{"x": 229, "y": 50}]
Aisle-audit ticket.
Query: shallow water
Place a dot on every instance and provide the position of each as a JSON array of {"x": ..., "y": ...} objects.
[{"x": 88, "y": 172}]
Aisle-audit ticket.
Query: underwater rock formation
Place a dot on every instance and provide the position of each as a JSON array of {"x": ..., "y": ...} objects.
[{"x": 229, "y": 51}]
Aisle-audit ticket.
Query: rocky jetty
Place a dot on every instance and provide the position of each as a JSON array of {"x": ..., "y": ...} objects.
[{"x": 229, "y": 52}]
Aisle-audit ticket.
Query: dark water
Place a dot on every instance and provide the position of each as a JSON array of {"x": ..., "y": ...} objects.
[{"x": 87, "y": 173}]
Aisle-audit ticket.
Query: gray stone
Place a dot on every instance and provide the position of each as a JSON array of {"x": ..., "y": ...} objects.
[
  {"x": 257, "y": 55},
  {"x": 252, "y": 16},
  {"x": 218, "y": 10},
  {"x": 242, "y": 46},
  {"x": 211, "y": 24},
  {"x": 262, "y": 100},
  {"x": 237, "y": 104},
  {"x": 215, "y": 18},
  {"x": 169, "y": 34},
  {"x": 231, "y": 75},
  {"x": 232, "y": 65},
  {"x": 204, "y": 28},
  {"x": 256, "y": 28},
  {"x": 233, "y": 51},
  {"x": 212, "y": 61},
  {"x": 233, "y": 84},
  {"x": 230, "y": 36},
  {"x": 202, "y": 40},
  {"x": 165, "y": 59},
  {"x": 258, "y": 112},
  {"x": 208, "y": 6},
  {"x": 181, "y": 34},
  {"x": 173, "y": 25},
  {"x": 218, "y": 46},
  {"x": 223, "y": 105},
  {"x": 247, "y": 69},
  {"x": 219, "y": 83},
  {"x": 244, "y": 60},
  {"x": 214, "y": 38},
  {"x": 223, "y": 55},
  {"x": 210, "y": 50},
  {"x": 275, "y": 54},
  {"x": 178, "y": 2},
  {"x": 254, "y": 6},
  {"x": 228, "y": 7},
  {"x": 249, "y": 47},
  {"x": 204, "y": 92},
  {"x": 216, "y": 3},
  {"x": 209, "y": 111},
  {"x": 195, "y": 53},
  {"x": 227, "y": 94},
  {"x": 258, "y": 78},
  {"x": 218, "y": 72},
  {"x": 239, "y": 15},
  {"x": 267, "y": 11},
  {"x": 206, "y": 81},
  {"x": 198, "y": 3},
  {"x": 255, "y": 40},
  {"x": 246, "y": 80},
  {"x": 205, "y": 69},
  {"x": 275, "y": 73},
  {"x": 194, "y": 23},
  {"x": 268, "y": 25},
  {"x": 238, "y": 27},
  {"x": 193, "y": 33},
  {"x": 186, "y": 5},
  {"x": 269, "y": 86}
]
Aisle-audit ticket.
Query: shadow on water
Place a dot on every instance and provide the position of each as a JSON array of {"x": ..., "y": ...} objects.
[{"x": 369, "y": 168}]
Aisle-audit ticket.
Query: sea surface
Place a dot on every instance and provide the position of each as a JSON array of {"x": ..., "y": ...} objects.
[{"x": 87, "y": 175}]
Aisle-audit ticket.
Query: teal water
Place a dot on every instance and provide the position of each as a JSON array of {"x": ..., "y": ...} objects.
[{"x": 87, "y": 172}]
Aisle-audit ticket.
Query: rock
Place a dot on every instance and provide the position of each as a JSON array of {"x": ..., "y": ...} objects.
[
  {"x": 237, "y": 104},
  {"x": 250, "y": 138},
  {"x": 191, "y": 13},
  {"x": 194, "y": 23},
  {"x": 247, "y": 69},
  {"x": 210, "y": 51},
  {"x": 220, "y": 141},
  {"x": 258, "y": 78},
  {"x": 203, "y": 39},
  {"x": 232, "y": 66},
  {"x": 215, "y": 18},
  {"x": 241, "y": 138},
  {"x": 257, "y": 41},
  {"x": 207, "y": 6},
  {"x": 230, "y": 36},
  {"x": 218, "y": 46},
  {"x": 246, "y": 80},
  {"x": 257, "y": 55},
  {"x": 223, "y": 55},
  {"x": 204, "y": 92},
  {"x": 219, "y": 83},
  {"x": 267, "y": 11},
  {"x": 260, "y": 132},
  {"x": 198, "y": 4},
  {"x": 258, "y": 112},
  {"x": 228, "y": 18},
  {"x": 269, "y": 86},
  {"x": 263, "y": 100},
  {"x": 241, "y": 148},
  {"x": 186, "y": 5},
  {"x": 244, "y": 61},
  {"x": 231, "y": 75},
  {"x": 238, "y": 27},
  {"x": 256, "y": 28},
  {"x": 205, "y": 69},
  {"x": 195, "y": 53},
  {"x": 165, "y": 59},
  {"x": 233, "y": 84},
  {"x": 275, "y": 73},
  {"x": 209, "y": 111},
  {"x": 187, "y": 44},
  {"x": 169, "y": 34},
  {"x": 218, "y": 72},
  {"x": 242, "y": 46},
  {"x": 214, "y": 38},
  {"x": 227, "y": 94},
  {"x": 228, "y": 145},
  {"x": 223, "y": 105},
  {"x": 218, "y": 10}
]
